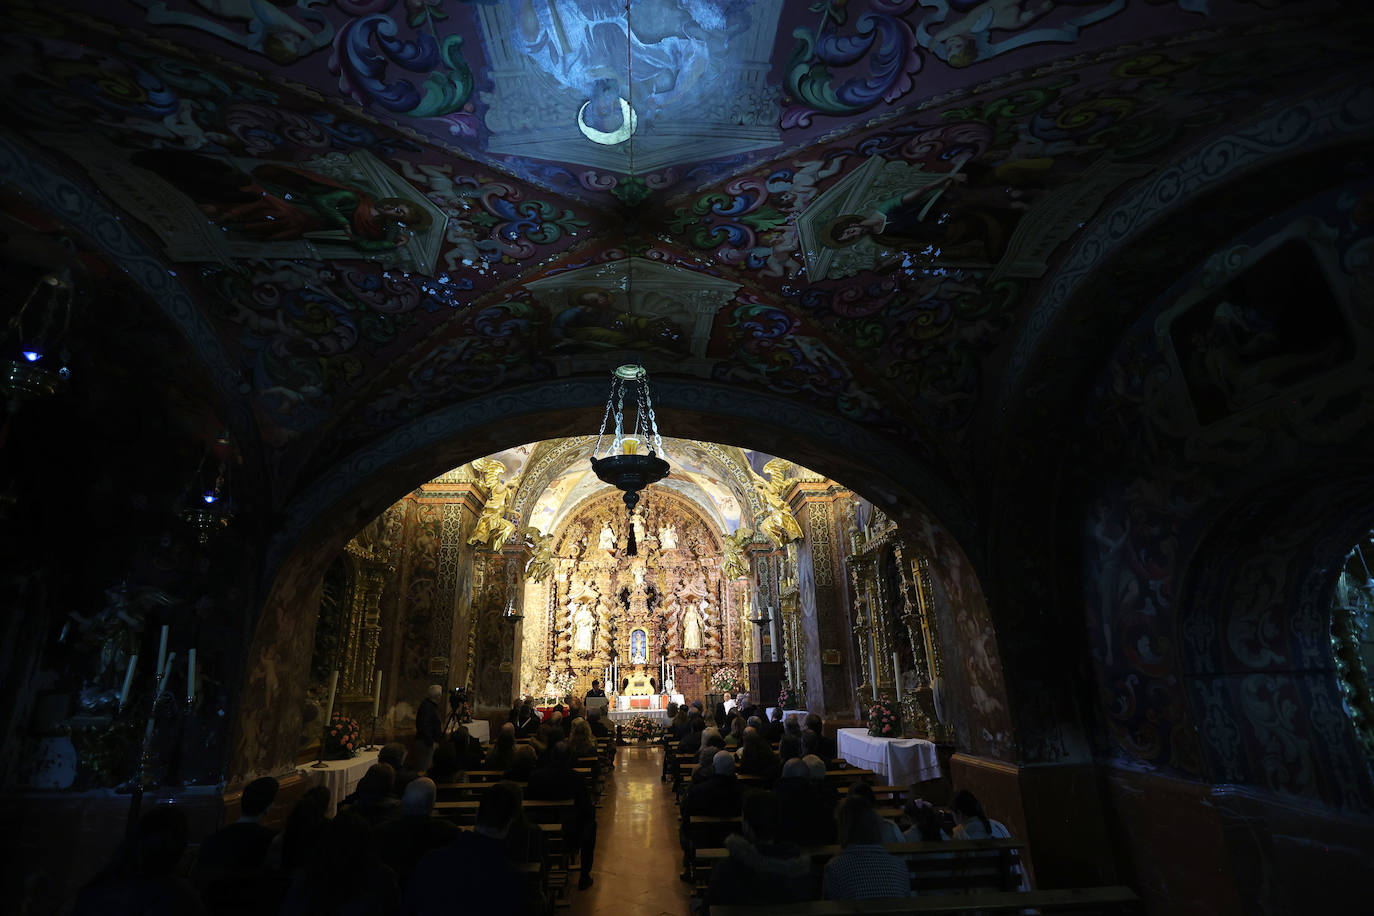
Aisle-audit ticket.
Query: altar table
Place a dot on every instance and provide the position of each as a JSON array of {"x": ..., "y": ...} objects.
[
  {"x": 901, "y": 761},
  {"x": 340, "y": 777},
  {"x": 643, "y": 702},
  {"x": 660, "y": 716}
]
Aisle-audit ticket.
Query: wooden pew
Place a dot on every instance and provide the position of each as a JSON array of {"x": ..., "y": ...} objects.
[
  {"x": 538, "y": 811},
  {"x": 963, "y": 866},
  {"x": 1084, "y": 901}
]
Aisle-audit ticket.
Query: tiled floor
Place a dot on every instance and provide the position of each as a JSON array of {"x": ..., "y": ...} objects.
[{"x": 637, "y": 853}]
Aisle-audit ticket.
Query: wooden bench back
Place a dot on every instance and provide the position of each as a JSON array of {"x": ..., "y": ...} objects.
[{"x": 1084, "y": 901}]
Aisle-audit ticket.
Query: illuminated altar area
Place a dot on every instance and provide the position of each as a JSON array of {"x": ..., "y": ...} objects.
[{"x": 637, "y": 623}]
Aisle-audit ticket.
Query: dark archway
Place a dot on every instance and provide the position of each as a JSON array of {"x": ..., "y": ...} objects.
[{"x": 355, "y": 491}]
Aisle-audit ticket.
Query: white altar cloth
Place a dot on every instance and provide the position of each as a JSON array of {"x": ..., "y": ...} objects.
[
  {"x": 340, "y": 777},
  {"x": 901, "y": 761},
  {"x": 625, "y": 715}
]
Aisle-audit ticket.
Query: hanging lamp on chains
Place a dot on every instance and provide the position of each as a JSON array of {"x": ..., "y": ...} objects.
[{"x": 623, "y": 465}]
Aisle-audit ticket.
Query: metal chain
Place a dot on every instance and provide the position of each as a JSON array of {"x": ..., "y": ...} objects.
[
  {"x": 657, "y": 441},
  {"x": 599, "y": 436}
]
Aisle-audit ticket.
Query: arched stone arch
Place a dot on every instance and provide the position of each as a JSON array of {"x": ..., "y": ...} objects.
[{"x": 317, "y": 523}]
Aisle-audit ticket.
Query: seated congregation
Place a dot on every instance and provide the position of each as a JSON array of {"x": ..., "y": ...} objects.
[{"x": 458, "y": 827}]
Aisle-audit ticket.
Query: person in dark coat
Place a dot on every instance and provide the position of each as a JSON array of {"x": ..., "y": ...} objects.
[
  {"x": 403, "y": 841},
  {"x": 429, "y": 725},
  {"x": 824, "y": 747},
  {"x": 716, "y": 795},
  {"x": 473, "y": 873},
  {"x": 468, "y": 748},
  {"x": 558, "y": 781},
  {"x": 372, "y": 800},
  {"x": 394, "y": 756},
  {"x": 773, "y": 731},
  {"x": 243, "y": 845},
  {"x": 806, "y": 815},
  {"x": 692, "y": 743},
  {"x": 760, "y": 870}
]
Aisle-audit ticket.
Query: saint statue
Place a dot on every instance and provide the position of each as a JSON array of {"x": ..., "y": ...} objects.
[
  {"x": 638, "y": 521},
  {"x": 583, "y": 624},
  {"x": 691, "y": 631},
  {"x": 607, "y": 541},
  {"x": 493, "y": 528},
  {"x": 638, "y": 572},
  {"x": 667, "y": 537}
]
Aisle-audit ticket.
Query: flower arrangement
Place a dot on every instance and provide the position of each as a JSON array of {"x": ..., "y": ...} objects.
[
  {"x": 883, "y": 721},
  {"x": 787, "y": 697},
  {"x": 341, "y": 739},
  {"x": 641, "y": 727},
  {"x": 559, "y": 686},
  {"x": 725, "y": 679}
]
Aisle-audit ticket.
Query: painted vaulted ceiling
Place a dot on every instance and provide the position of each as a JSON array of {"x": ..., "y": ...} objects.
[{"x": 360, "y": 212}]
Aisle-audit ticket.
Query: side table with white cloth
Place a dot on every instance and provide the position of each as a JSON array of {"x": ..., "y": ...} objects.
[
  {"x": 340, "y": 777},
  {"x": 901, "y": 761}
]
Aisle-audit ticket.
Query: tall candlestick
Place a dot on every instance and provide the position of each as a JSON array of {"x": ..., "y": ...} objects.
[
  {"x": 329, "y": 709},
  {"x": 191, "y": 675},
  {"x": 377, "y": 695},
  {"x": 162, "y": 681},
  {"x": 128, "y": 680},
  {"x": 162, "y": 650}
]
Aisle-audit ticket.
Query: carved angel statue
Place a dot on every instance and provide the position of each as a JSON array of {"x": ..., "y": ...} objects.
[
  {"x": 540, "y": 563},
  {"x": 734, "y": 564},
  {"x": 777, "y": 521},
  {"x": 493, "y": 528}
]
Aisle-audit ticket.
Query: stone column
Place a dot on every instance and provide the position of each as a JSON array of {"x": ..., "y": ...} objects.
[{"x": 824, "y": 620}]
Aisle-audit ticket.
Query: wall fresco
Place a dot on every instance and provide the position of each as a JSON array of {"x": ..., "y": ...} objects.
[{"x": 1227, "y": 678}]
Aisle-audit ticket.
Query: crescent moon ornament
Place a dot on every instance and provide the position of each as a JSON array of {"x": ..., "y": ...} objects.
[{"x": 628, "y": 122}]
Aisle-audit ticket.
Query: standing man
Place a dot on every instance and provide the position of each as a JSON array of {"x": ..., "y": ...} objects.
[{"x": 429, "y": 726}]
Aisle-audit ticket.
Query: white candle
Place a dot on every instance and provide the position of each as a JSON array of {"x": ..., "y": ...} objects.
[
  {"x": 896, "y": 675},
  {"x": 329, "y": 709},
  {"x": 162, "y": 651},
  {"x": 377, "y": 695},
  {"x": 128, "y": 681},
  {"x": 191, "y": 675},
  {"x": 162, "y": 681}
]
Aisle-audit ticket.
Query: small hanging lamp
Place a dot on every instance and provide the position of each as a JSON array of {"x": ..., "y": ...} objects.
[{"x": 623, "y": 465}]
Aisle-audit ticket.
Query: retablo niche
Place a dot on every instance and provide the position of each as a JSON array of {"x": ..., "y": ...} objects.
[{"x": 623, "y": 465}]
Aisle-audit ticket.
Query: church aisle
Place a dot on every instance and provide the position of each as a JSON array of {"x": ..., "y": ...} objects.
[{"x": 637, "y": 853}]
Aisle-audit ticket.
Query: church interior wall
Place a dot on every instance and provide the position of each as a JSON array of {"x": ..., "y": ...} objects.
[{"x": 1210, "y": 555}]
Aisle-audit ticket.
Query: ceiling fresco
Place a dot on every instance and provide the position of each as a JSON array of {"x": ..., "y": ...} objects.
[
  {"x": 553, "y": 478},
  {"x": 383, "y": 209}
]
